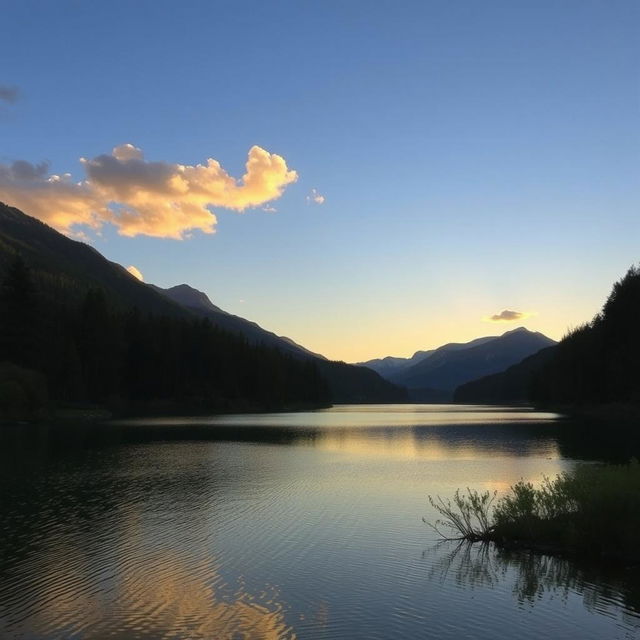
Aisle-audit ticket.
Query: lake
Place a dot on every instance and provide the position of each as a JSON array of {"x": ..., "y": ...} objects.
[{"x": 292, "y": 525}]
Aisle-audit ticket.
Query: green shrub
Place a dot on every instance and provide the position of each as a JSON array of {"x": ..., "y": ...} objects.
[{"x": 593, "y": 510}]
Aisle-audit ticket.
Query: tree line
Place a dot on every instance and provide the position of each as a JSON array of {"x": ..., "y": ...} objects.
[
  {"x": 598, "y": 363},
  {"x": 94, "y": 352}
]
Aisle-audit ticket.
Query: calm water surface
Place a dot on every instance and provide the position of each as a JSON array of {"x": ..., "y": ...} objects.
[{"x": 304, "y": 525}]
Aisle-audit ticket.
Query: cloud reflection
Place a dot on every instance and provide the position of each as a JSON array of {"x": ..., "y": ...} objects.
[{"x": 143, "y": 586}]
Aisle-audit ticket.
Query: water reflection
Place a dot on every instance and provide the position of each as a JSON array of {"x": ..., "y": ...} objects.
[
  {"x": 447, "y": 442},
  {"x": 610, "y": 442},
  {"x": 429, "y": 432},
  {"x": 122, "y": 545},
  {"x": 367, "y": 416},
  {"x": 275, "y": 526},
  {"x": 533, "y": 578},
  {"x": 410, "y": 431},
  {"x": 157, "y": 593}
]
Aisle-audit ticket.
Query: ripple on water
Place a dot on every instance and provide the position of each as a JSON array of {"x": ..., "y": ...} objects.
[{"x": 284, "y": 538}]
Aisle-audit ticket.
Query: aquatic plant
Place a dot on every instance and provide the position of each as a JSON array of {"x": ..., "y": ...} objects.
[
  {"x": 593, "y": 510},
  {"x": 469, "y": 515}
]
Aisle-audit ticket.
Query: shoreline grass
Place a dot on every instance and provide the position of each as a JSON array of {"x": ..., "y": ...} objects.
[{"x": 593, "y": 511}]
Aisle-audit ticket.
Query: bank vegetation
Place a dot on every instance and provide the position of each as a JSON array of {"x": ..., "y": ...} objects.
[{"x": 593, "y": 511}]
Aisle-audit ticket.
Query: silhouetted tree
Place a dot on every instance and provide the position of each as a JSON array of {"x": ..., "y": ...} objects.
[
  {"x": 598, "y": 362},
  {"x": 18, "y": 315},
  {"x": 96, "y": 352},
  {"x": 98, "y": 347}
]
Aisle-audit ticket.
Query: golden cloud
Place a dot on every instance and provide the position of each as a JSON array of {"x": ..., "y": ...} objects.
[
  {"x": 143, "y": 198},
  {"x": 135, "y": 272},
  {"x": 507, "y": 315}
]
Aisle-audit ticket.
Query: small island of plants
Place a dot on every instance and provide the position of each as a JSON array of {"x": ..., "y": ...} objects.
[{"x": 593, "y": 511}]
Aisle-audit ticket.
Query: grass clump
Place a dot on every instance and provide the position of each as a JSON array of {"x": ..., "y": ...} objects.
[
  {"x": 593, "y": 510},
  {"x": 469, "y": 515}
]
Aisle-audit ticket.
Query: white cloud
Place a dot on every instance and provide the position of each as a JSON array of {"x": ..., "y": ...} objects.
[
  {"x": 140, "y": 197},
  {"x": 316, "y": 197}
]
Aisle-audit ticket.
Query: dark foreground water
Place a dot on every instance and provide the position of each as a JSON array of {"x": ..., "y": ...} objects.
[{"x": 302, "y": 525}]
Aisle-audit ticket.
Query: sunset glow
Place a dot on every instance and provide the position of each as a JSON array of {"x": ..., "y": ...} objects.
[{"x": 405, "y": 178}]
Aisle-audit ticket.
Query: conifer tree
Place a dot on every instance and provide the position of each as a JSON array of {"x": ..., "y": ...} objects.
[{"x": 18, "y": 315}]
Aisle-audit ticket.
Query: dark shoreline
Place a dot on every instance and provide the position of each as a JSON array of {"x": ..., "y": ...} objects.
[
  {"x": 625, "y": 413},
  {"x": 558, "y": 550},
  {"x": 92, "y": 414}
]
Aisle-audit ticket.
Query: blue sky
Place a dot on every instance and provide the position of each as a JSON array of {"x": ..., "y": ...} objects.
[{"x": 473, "y": 156}]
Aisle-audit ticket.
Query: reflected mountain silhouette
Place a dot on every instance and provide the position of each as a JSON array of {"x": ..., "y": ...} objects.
[
  {"x": 564, "y": 437},
  {"x": 590, "y": 440}
]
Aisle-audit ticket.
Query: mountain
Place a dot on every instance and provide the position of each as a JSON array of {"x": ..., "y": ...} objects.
[
  {"x": 199, "y": 303},
  {"x": 514, "y": 385},
  {"x": 448, "y": 368},
  {"x": 434, "y": 377},
  {"x": 347, "y": 383},
  {"x": 66, "y": 271},
  {"x": 593, "y": 370},
  {"x": 393, "y": 366},
  {"x": 189, "y": 297}
]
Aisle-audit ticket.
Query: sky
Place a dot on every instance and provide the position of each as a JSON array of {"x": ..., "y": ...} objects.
[{"x": 366, "y": 178}]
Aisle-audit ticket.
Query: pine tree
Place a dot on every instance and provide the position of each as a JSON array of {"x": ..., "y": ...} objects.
[{"x": 18, "y": 315}]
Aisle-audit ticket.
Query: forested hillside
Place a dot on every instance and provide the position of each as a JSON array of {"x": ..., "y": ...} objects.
[
  {"x": 598, "y": 363},
  {"x": 514, "y": 385},
  {"x": 97, "y": 335},
  {"x": 95, "y": 353}
]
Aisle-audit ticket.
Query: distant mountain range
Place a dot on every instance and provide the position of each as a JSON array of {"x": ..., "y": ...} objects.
[
  {"x": 433, "y": 376},
  {"x": 596, "y": 363},
  {"x": 392, "y": 366},
  {"x": 592, "y": 371},
  {"x": 66, "y": 269}
]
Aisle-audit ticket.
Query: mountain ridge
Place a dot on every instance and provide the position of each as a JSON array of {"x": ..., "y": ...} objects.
[
  {"x": 66, "y": 270},
  {"x": 69, "y": 268},
  {"x": 198, "y": 302},
  {"x": 435, "y": 376},
  {"x": 513, "y": 385}
]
